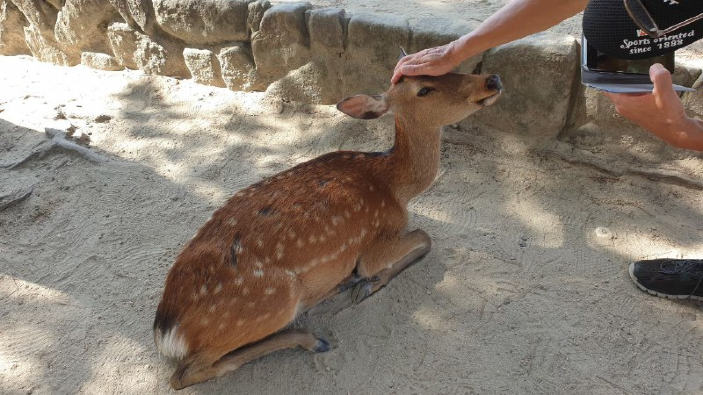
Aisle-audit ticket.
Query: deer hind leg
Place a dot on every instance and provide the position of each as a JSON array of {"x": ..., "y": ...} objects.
[
  {"x": 386, "y": 259},
  {"x": 189, "y": 374}
]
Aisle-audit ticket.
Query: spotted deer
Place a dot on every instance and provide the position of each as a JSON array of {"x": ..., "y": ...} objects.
[{"x": 283, "y": 245}]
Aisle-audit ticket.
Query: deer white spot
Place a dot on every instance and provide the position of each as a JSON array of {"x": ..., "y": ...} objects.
[
  {"x": 299, "y": 243},
  {"x": 232, "y": 221},
  {"x": 218, "y": 288},
  {"x": 204, "y": 322},
  {"x": 312, "y": 239},
  {"x": 203, "y": 290},
  {"x": 258, "y": 264},
  {"x": 270, "y": 291},
  {"x": 290, "y": 273},
  {"x": 259, "y": 243},
  {"x": 267, "y": 260},
  {"x": 240, "y": 322},
  {"x": 225, "y": 314},
  {"x": 245, "y": 291},
  {"x": 239, "y": 280},
  {"x": 257, "y": 273},
  {"x": 221, "y": 327},
  {"x": 171, "y": 343},
  {"x": 375, "y": 213},
  {"x": 371, "y": 188},
  {"x": 322, "y": 238},
  {"x": 291, "y": 234},
  {"x": 336, "y": 220},
  {"x": 347, "y": 214},
  {"x": 251, "y": 305},
  {"x": 211, "y": 309},
  {"x": 279, "y": 251},
  {"x": 383, "y": 203}
]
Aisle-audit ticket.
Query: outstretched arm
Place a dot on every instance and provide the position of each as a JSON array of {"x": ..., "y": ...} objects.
[
  {"x": 661, "y": 112},
  {"x": 515, "y": 20}
]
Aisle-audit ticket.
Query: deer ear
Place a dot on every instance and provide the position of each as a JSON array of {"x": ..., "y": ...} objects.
[{"x": 364, "y": 106}]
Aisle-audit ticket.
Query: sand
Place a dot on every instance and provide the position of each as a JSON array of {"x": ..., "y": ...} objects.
[{"x": 525, "y": 290}]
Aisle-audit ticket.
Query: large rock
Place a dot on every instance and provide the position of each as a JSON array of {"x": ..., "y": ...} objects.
[
  {"x": 123, "y": 42},
  {"x": 100, "y": 61},
  {"x": 46, "y": 49},
  {"x": 12, "y": 24},
  {"x": 39, "y": 13},
  {"x": 693, "y": 101},
  {"x": 282, "y": 42},
  {"x": 204, "y": 21},
  {"x": 327, "y": 28},
  {"x": 82, "y": 24},
  {"x": 203, "y": 66},
  {"x": 538, "y": 74},
  {"x": 237, "y": 65},
  {"x": 39, "y": 35},
  {"x": 374, "y": 43},
  {"x": 257, "y": 9},
  {"x": 138, "y": 14},
  {"x": 150, "y": 54}
]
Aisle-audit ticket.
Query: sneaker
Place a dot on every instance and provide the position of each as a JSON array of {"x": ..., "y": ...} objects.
[{"x": 670, "y": 278}]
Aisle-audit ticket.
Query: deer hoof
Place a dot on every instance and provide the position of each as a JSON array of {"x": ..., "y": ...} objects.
[
  {"x": 322, "y": 345},
  {"x": 363, "y": 289}
]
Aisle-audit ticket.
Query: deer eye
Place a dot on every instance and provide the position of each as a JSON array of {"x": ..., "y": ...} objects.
[{"x": 424, "y": 91}]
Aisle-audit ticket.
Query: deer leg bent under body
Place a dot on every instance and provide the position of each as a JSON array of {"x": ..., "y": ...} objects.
[
  {"x": 386, "y": 258},
  {"x": 190, "y": 374}
]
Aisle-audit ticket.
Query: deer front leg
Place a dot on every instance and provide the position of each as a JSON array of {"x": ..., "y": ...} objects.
[{"x": 385, "y": 259}]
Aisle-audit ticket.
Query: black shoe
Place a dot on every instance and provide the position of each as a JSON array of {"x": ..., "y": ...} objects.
[{"x": 670, "y": 278}]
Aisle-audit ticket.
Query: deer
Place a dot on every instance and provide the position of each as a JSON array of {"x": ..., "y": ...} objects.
[{"x": 285, "y": 244}]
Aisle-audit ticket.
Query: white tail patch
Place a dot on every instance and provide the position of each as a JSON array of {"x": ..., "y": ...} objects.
[{"x": 171, "y": 344}]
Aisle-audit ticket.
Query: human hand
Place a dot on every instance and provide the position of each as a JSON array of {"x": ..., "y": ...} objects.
[
  {"x": 660, "y": 112},
  {"x": 431, "y": 61}
]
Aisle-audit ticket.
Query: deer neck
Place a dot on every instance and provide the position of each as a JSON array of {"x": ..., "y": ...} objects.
[{"x": 414, "y": 161}]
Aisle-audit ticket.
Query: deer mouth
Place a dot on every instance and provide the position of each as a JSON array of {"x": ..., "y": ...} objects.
[{"x": 488, "y": 100}]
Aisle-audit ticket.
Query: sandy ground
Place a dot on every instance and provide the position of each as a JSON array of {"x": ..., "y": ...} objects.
[{"x": 525, "y": 289}]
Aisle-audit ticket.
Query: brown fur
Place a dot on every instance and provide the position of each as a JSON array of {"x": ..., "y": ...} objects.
[{"x": 281, "y": 246}]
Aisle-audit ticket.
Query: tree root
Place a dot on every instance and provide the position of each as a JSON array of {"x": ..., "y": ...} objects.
[{"x": 58, "y": 141}]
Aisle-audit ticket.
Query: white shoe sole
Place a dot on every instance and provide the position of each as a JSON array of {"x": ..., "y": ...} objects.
[{"x": 659, "y": 294}]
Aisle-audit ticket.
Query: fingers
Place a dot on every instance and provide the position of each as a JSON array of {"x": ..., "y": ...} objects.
[
  {"x": 663, "y": 89},
  {"x": 397, "y": 74}
]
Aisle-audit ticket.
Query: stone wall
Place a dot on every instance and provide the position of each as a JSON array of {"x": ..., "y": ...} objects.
[{"x": 298, "y": 53}]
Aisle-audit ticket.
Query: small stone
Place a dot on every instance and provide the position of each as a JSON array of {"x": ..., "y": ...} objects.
[
  {"x": 102, "y": 118},
  {"x": 603, "y": 233}
]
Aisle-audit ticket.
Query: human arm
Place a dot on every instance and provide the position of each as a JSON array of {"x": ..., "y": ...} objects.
[
  {"x": 661, "y": 112},
  {"x": 515, "y": 20}
]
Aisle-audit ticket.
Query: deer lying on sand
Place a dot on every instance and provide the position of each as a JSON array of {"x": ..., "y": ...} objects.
[{"x": 283, "y": 245}]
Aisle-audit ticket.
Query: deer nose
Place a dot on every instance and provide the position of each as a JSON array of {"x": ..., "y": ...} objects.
[{"x": 493, "y": 83}]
